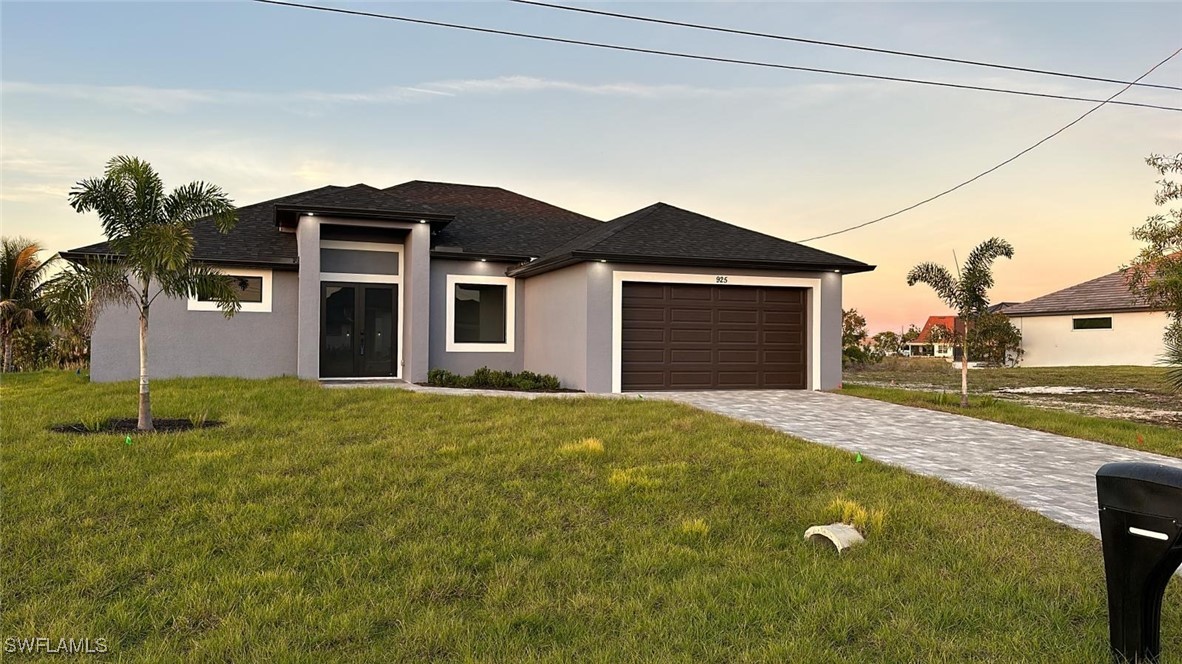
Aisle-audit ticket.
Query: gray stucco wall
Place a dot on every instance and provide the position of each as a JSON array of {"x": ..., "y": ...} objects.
[
  {"x": 600, "y": 309},
  {"x": 556, "y": 325},
  {"x": 467, "y": 362},
  {"x": 200, "y": 343}
]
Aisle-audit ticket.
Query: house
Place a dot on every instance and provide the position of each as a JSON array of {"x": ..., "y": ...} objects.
[
  {"x": 1098, "y": 322},
  {"x": 925, "y": 346},
  {"x": 356, "y": 282}
]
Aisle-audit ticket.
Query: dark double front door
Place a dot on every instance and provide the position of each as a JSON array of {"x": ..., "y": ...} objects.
[{"x": 358, "y": 330}]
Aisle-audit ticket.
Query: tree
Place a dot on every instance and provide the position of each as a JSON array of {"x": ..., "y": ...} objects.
[
  {"x": 853, "y": 337},
  {"x": 910, "y": 335},
  {"x": 967, "y": 293},
  {"x": 995, "y": 340},
  {"x": 887, "y": 342},
  {"x": 21, "y": 274},
  {"x": 151, "y": 239},
  {"x": 1155, "y": 275}
]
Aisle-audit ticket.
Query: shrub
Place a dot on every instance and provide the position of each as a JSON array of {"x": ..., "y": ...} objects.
[{"x": 492, "y": 379}]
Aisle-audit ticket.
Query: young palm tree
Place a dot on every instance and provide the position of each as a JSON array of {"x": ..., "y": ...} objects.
[
  {"x": 21, "y": 275},
  {"x": 151, "y": 240},
  {"x": 967, "y": 293}
]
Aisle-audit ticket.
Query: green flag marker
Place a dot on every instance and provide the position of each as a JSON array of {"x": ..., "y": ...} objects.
[
  {"x": 127, "y": 441},
  {"x": 858, "y": 457}
]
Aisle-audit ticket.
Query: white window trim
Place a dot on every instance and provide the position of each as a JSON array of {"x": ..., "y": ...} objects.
[
  {"x": 263, "y": 307},
  {"x": 813, "y": 285},
  {"x": 510, "y": 285}
]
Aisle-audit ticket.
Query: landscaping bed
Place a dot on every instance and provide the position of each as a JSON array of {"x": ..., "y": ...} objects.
[
  {"x": 383, "y": 525},
  {"x": 130, "y": 425}
]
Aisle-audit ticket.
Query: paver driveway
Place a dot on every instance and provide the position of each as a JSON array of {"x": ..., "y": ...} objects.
[{"x": 1053, "y": 475}]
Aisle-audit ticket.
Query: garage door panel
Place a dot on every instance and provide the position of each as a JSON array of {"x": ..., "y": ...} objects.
[
  {"x": 694, "y": 355},
  {"x": 689, "y": 292},
  {"x": 655, "y": 335},
  {"x": 737, "y": 294},
  {"x": 683, "y": 315},
  {"x": 691, "y": 378},
  {"x": 794, "y": 318},
  {"x": 747, "y": 337},
  {"x": 745, "y": 355},
  {"x": 643, "y": 356},
  {"x": 692, "y": 336},
  {"x": 739, "y": 316}
]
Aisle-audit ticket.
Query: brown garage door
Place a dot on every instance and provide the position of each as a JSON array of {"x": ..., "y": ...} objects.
[{"x": 691, "y": 337}]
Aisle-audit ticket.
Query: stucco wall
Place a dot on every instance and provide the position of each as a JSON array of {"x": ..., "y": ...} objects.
[
  {"x": 1135, "y": 339},
  {"x": 200, "y": 343},
  {"x": 463, "y": 362},
  {"x": 555, "y": 330}
]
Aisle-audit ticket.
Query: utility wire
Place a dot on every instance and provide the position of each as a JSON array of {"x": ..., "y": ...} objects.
[
  {"x": 982, "y": 174},
  {"x": 818, "y": 42},
  {"x": 708, "y": 58}
]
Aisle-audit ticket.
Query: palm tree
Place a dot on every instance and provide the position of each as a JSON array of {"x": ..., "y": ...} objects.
[
  {"x": 21, "y": 274},
  {"x": 967, "y": 293},
  {"x": 151, "y": 240}
]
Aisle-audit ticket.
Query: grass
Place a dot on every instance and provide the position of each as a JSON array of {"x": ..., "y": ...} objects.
[
  {"x": 941, "y": 374},
  {"x": 386, "y": 526},
  {"x": 1134, "y": 435}
]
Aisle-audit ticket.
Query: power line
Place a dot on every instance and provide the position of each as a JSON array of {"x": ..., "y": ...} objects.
[
  {"x": 982, "y": 174},
  {"x": 707, "y": 58},
  {"x": 818, "y": 42}
]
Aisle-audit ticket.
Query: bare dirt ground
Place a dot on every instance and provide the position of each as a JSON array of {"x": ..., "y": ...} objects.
[{"x": 1138, "y": 394}]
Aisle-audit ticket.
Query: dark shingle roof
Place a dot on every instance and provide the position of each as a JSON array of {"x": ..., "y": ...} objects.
[
  {"x": 1107, "y": 293},
  {"x": 495, "y": 221},
  {"x": 256, "y": 239},
  {"x": 667, "y": 234}
]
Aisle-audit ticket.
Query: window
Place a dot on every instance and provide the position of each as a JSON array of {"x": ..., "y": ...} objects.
[
  {"x": 1091, "y": 323},
  {"x": 480, "y": 313},
  {"x": 250, "y": 289},
  {"x": 254, "y": 292}
]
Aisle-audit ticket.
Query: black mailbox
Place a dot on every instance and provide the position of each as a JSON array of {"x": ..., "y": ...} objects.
[{"x": 1141, "y": 532}]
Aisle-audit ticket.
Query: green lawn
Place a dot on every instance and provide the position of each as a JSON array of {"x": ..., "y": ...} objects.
[
  {"x": 1135, "y": 435},
  {"x": 385, "y": 526},
  {"x": 942, "y": 374}
]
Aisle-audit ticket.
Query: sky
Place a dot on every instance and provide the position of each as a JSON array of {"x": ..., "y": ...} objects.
[{"x": 266, "y": 101}]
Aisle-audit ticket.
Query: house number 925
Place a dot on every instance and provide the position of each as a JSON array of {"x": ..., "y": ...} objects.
[{"x": 720, "y": 280}]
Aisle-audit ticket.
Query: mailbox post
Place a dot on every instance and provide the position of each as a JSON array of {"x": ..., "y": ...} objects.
[{"x": 1141, "y": 533}]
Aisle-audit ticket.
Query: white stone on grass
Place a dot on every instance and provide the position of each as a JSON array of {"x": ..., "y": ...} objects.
[{"x": 841, "y": 535}]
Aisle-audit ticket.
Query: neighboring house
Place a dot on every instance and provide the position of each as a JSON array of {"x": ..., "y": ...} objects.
[
  {"x": 1098, "y": 322},
  {"x": 365, "y": 283},
  {"x": 924, "y": 346}
]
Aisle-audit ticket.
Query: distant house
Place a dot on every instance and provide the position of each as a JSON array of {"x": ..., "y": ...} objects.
[
  {"x": 1098, "y": 322},
  {"x": 924, "y": 346}
]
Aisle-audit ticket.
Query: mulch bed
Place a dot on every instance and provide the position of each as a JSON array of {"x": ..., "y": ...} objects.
[
  {"x": 128, "y": 425},
  {"x": 561, "y": 390}
]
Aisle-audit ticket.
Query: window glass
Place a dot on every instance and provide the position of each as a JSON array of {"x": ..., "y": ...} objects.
[
  {"x": 250, "y": 289},
  {"x": 480, "y": 313},
  {"x": 1091, "y": 323}
]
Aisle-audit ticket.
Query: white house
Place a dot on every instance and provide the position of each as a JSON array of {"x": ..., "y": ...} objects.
[{"x": 1098, "y": 323}]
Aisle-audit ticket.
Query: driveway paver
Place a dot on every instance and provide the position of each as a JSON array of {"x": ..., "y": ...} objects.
[{"x": 1050, "y": 474}]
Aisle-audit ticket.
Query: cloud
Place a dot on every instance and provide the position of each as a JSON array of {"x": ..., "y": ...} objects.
[{"x": 146, "y": 99}]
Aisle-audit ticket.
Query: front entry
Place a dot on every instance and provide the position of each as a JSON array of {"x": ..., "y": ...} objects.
[{"x": 358, "y": 330}]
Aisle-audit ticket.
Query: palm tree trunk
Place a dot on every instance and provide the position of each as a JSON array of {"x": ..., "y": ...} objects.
[
  {"x": 964, "y": 368},
  {"x": 6, "y": 364},
  {"x": 145, "y": 414}
]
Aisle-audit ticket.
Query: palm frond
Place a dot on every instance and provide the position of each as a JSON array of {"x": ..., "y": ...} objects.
[
  {"x": 977, "y": 278},
  {"x": 1172, "y": 359},
  {"x": 208, "y": 281},
  {"x": 197, "y": 200},
  {"x": 158, "y": 249},
  {"x": 938, "y": 277}
]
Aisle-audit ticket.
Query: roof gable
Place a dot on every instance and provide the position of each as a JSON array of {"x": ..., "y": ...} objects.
[
  {"x": 496, "y": 221},
  {"x": 666, "y": 233}
]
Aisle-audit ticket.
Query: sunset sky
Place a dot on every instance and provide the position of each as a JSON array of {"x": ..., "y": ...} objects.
[{"x": 267, "y": 101}]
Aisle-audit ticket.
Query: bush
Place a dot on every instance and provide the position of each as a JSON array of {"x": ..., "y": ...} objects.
[{"x": 492, "y": 379}]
